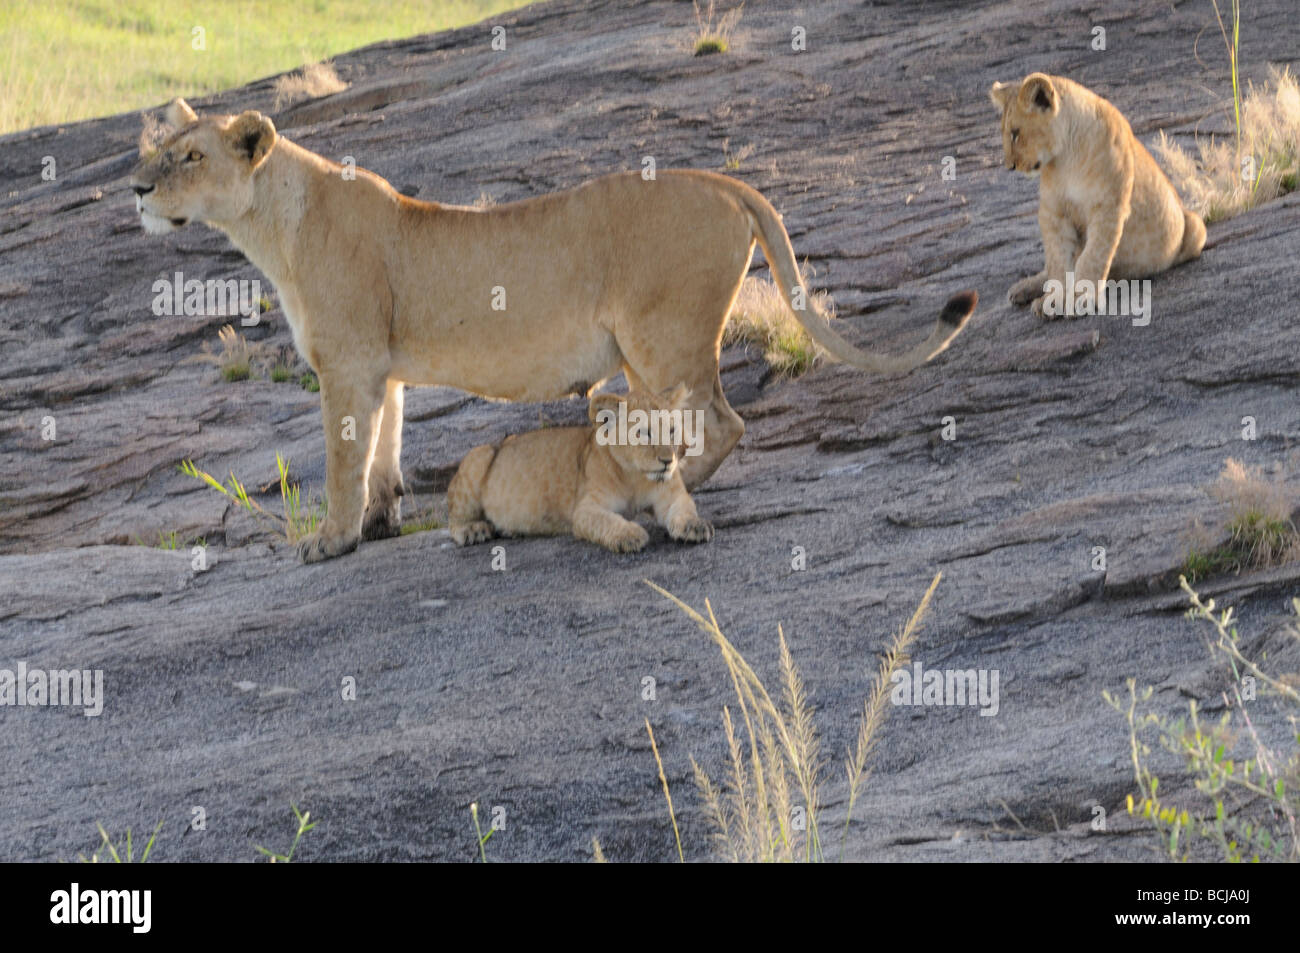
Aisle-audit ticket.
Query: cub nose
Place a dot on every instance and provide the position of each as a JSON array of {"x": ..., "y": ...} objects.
[{"x": 142, "y": 189}]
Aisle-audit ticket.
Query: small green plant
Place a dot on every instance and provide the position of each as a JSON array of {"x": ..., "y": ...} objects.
[
  {"x": 423, "y": 521},
  {"x": 1248, "y": 804},
  {"x": 172, "y": 541},
  {"x": 121, "y": 853},
  {"x": 281, "y": 373},
  {"x": 713, "y": 34},
  {"x": 300, "y": 517},
  {"x": 760, "y": 316},
  {"x": 769, "y": 809},
  {"x": 309, "y": 382},
  {"x": 731, "y": 160},
  {"x": 305, "y": 824},
  {"x": 478, "y": 832}
]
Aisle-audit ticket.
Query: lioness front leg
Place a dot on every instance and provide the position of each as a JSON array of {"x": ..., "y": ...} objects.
[
  {"x": 350, "y": 413},
  {"x": 595, "y": 523},
  {"x": 384, "y": 507}
]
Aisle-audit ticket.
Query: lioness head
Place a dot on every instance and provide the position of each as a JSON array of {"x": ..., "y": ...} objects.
[
  {"x": 1028, "y": 109},
  {"x": 646, "y": 433},
  {"x": 199, "y": 168}
]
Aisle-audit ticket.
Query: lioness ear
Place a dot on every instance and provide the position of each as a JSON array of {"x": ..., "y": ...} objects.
[
  {"x": 179, "y": 114},
  {"x": 251, "y": 135},
  {"x": 1001, "y": 94},
  {"x": 601, "y": 402},
  {"x": 1037, "y": 92}
]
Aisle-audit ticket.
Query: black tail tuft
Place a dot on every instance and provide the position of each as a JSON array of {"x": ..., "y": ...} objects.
[{"x": 959, "y": 307}]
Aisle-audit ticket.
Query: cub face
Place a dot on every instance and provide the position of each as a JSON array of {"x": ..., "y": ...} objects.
[
  {"x": 1029, "y": 109},
  {"x": 202, "y": 169},
  {"x": 654, "y": 433}
]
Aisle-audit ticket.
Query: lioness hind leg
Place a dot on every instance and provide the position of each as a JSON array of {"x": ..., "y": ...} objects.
[
  {"x": 722, "y": 430},
  {"x": 465, "y": 498},
  {"x": 384, "y": 508}
]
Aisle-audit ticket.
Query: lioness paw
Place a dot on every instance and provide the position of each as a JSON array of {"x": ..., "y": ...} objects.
[
  {"x": 467, "y": 534},
  {"x": 692, "y": 530},
  {"x": 382, "y": 521},
  {"x": 320, "y": 546},
  {"x": 630, "y": 539}
]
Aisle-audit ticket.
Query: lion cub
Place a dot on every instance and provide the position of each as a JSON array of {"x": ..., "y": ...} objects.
[
  {"x": 584, "y": 480},
  {"x": 1106, "y": 209}
]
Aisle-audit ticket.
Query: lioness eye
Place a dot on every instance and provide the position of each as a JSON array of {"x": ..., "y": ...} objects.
[{"x": 194, "y": 156}]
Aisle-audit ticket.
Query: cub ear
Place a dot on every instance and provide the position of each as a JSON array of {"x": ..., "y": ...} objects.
[
  {"x": 179, "y": 114},
  {"x": 677, "y": 397},
  {"x": 601, "y": 402},
  {"x": 1038, "y": 93},
  {"x": 251, "y": 135},
  {"x": 1001, "y": 94}
]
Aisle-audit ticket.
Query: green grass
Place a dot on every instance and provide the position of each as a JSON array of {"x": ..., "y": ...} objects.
[
  {"x": 1258, "y": 525},
  {"x": 305, "y": 824},
  {"x": 301, "y": 515},
  {"x": 281, "y": 373},
  {"x": 60, "y": 62},
  {"x": 123, "y": 853},
  {"x": 172, "y": 541},
  {"x": 309, "y": 382}
]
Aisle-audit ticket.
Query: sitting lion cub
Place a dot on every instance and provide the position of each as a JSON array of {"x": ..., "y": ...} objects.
[
  {"x": 583, "y": 480},
  {"x": 1106, "y": 209}
]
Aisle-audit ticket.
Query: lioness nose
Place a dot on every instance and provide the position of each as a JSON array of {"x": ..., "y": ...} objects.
[{"x": 142, "y": 189}]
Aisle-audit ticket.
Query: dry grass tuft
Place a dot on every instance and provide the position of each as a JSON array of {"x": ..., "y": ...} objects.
[
  {"x": 311, "y": 82},
  {"x": 1259, "y": 524},
  {"x": 769, "y": 808},
  {"x": 1261, "y": 162},
  {"x": 713, "y": 34},
  {"x": 238, "y": 356},
  {"x": 761, "y": 317}
]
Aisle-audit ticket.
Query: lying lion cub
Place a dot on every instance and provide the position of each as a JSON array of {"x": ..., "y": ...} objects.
[
  {"x": 575, "y": 480},
  {"x": 1106, "y": 209}
]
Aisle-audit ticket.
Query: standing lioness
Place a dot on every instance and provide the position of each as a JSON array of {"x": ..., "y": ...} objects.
[{"x": 527, "y": 301}]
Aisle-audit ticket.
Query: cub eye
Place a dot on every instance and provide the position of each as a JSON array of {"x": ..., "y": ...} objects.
[{"x": 194, "y": 156}]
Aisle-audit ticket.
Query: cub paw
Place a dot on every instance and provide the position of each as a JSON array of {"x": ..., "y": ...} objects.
[
  {"x": 1025, "y": 291},
  {"x": 631, "y": 539},
  {"x": 1039, "y": 311},
  {"x": 693, "y": 530},
  {"x": 467, "y": 534},
  {"x": 322, "y": 545}
]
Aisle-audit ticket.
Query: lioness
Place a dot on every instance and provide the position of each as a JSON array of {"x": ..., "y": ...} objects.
[
  {"x": 571, "y": 480},
  {"x": 527, "y": 301},
  {"x": 1106, "y": 210}
]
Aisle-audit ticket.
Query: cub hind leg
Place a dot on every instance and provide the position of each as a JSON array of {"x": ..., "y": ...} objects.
[{"x": 465, "y": 498}]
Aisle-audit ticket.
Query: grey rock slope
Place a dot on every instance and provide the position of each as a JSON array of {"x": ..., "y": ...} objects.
[{"x": 522, "y": 689}]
